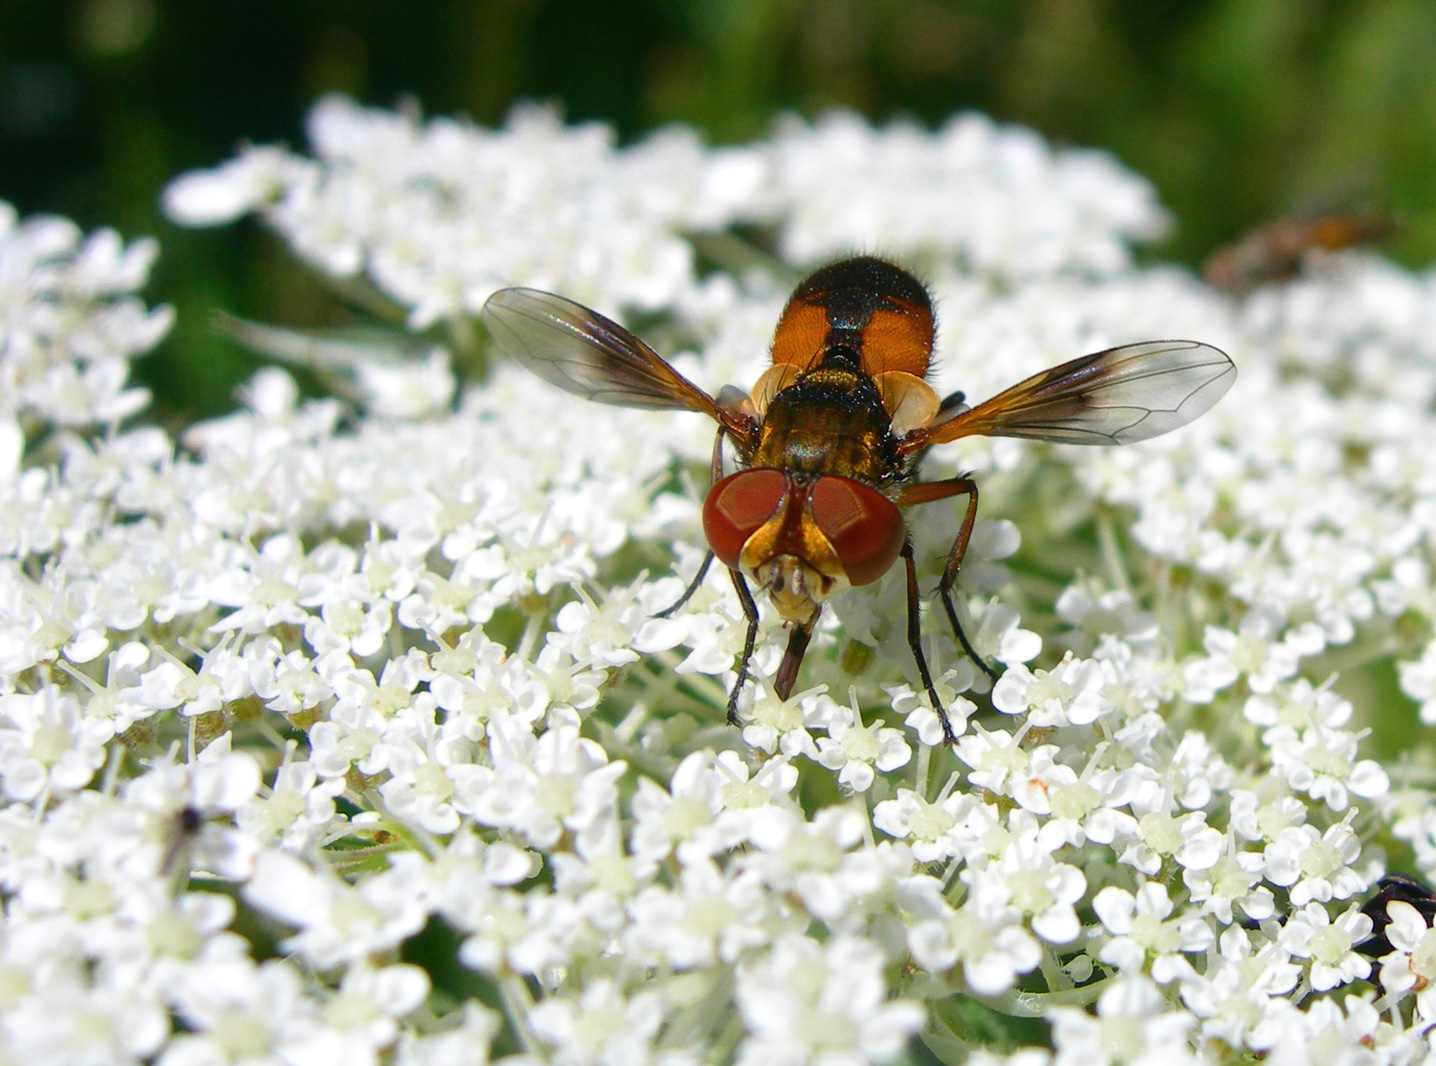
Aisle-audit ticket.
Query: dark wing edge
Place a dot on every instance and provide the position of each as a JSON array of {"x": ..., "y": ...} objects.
[
  {"x": 1119, "y": 396},
  {"x": 582, "y": 352}
]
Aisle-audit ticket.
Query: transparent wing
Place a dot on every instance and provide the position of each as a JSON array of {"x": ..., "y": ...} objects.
[
  {"x": 584, "y": 353},
  {"x": 1118, "y": 396}
]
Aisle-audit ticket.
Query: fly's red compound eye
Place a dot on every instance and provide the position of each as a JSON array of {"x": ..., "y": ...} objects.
[
  {"x": 737, "y": 507},
  {"x": 864, "y": 527}
]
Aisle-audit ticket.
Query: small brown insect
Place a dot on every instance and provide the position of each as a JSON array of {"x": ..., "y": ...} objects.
[
  {"x": 184, "y": 830},
  {"x": 1277, "y": 251},
  {"x": 829, "y": 440}
]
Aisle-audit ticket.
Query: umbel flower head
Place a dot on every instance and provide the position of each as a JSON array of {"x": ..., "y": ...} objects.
[{"x": 342, "y": 729}]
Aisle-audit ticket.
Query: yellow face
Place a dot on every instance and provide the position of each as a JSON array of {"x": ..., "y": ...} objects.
[{"x": 796, "y": 589}]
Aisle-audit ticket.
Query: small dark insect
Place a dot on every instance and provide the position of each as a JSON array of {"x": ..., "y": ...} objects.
[
  {"x": 185, "y": 826},
  {"x": 829, "y": 440},
  {"x": 1277, "y": 251},
  {"x": 1393, "y": 888}
]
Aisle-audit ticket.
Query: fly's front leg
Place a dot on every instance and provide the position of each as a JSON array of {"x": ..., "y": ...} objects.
[
  {"x": 914, "y": 641},
  {"x": 926, "y": 492},
  {"x": 750, "y": 611},
  {"x": 691, "y": 589},
  {"x": 716, "y": 475}
]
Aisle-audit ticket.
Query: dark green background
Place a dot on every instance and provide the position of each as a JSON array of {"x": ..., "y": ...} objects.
[{"x": 1238, "y": 110}]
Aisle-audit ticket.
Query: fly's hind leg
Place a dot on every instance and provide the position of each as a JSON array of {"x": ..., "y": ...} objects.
[
  {"x": 949, "y": 574},
  {"x": 926, "y": 492}
]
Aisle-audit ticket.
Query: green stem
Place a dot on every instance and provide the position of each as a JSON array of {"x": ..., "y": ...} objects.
[
  {"x": 1019, "y": 1004},
  {"x": 517, "y": 1003}
]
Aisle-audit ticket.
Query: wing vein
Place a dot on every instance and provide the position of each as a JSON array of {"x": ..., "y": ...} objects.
[{"x": 1118, "y": 396}]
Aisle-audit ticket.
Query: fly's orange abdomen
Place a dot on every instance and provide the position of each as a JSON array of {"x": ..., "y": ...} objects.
[
  {"x": 877, "y": 309},
  {"x": 801, "y": 336}
]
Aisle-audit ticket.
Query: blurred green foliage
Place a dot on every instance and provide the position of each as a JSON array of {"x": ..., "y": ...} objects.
[{"x": 1238, "y": 110}]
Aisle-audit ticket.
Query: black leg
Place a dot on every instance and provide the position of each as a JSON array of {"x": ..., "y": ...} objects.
[
  {"x": 949, "y": 575},
  {"x": 914, "y": 641},
  {"x": 691, "y": 589},
  {"x": 927, "y": 492},
  {"x": 750, "y": 610},
  {"x": 715, "y": 474},
  {"x": 962, "y": 636}
]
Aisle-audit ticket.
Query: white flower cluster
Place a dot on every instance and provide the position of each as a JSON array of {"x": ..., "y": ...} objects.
[
  {"x": 996, "y": 198},
  {"x": 333, "y": 739},
  {"x": 439, "y": 214},
  {"x": 69, "y": 326}
]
